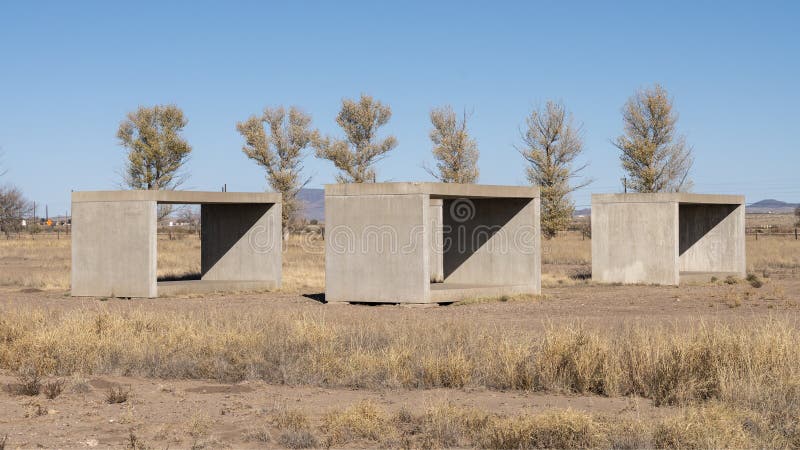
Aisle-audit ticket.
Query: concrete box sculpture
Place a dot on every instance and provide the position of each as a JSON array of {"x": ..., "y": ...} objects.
[
  {"x": 667, "y": 238},
  {"x": 430, "y": 242},
  {"x": 114, "y": 242}
]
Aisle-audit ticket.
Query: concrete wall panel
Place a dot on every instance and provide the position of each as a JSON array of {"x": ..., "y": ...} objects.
[
  {"x": 114, "y": 249},
  {"x": 635, "y": 242},
  {"x": 377, "y": 248},
  {"x": 436, "y": 240},
  {"x": 241, "y": 242}
]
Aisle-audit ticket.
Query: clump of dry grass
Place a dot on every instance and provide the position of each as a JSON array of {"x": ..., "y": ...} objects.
[
  {"x": 30, "y": 382},
  {"x": 294, "y": 427},
  {"x": 117, "y": 394},
  {"x": 362, "y": 421},
  {"x": 557, "y": 429},
  {"x": 53, "y": 388},
  {"x": 712, "y": 426}
]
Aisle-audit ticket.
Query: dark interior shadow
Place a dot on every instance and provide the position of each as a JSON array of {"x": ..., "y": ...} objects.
[
  {"x": 184, "y": 277},
  {"x": 222, "y": 226},
  {"x": 469, "y": 224},
  {"x": 695, "y": 221},
  {"x": 320, "y": 298}
]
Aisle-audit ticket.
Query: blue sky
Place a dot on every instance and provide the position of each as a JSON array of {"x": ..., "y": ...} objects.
[{"x": 71, "y": 71}]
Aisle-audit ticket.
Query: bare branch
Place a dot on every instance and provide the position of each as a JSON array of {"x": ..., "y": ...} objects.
[{"x": 275, "y": 141}]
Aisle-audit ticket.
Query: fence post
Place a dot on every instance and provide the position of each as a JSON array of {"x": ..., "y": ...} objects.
[{"x": 795, "y": 233}]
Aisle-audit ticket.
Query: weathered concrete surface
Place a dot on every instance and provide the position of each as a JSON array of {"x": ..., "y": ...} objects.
[
  {"x": 114, "y": 249},
  {"x": 495, "y": 248},
  {"x": 376, "y": 248},
  {"x": 434, "y": 190},
  {"x": 241, "y": 242},
  {"x": 635, "y": 243},
  {"x": 658, "y": 238},
  {"x": 114, "y": 241},
  {"x": 176, "y": 197},
  {"x": 436, "y": 241}
]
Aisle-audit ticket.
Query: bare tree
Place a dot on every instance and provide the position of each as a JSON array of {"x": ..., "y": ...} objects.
[
  {"x": 655, "y": 158},
  {"x": 13, "y": 208},
  {"x": 355, "y": 155},
  {"x": 281, "y": 152},
  {"x": 551, "y": 142},
  {"x": 456, "y": 153},
  {"x": 156, "y": 149}
]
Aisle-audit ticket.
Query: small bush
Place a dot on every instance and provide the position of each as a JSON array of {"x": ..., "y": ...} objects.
[
  {"x": 730, "y": 279},
  {"x": 117, "y": 394},
  {"x": 257, "y": 434},
  {"x": 198, "y": 426},
  {"x": 3, "y": 442},
  {"x": 134, "y": 443},
  {"x": 29, "y": 382},
  {"x": 298, "y": 439},
  {"x": 361, "y": 421},
  {"x": 754, "y": 280},
  {"x": 53, "y": 388},
  {"x": 290, "y": 419}
]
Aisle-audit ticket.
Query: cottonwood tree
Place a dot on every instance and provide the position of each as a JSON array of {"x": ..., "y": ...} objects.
[
  {"x": 455, "y": 152},
  {"x": 551, "y": 142},
  {"x": 156, "y": 149},
  {"x": 355, "y": 155},
  {"x": 279, "y": 150},
  {"x": 654, "y": 156}
]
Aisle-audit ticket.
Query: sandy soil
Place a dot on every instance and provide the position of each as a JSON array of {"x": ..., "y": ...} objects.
[{"x": 165, "y": 413}]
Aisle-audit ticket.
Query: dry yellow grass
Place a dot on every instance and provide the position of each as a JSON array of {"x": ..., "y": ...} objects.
[
  {"x": 774, "y": 252},
  {"x": 444, "y": 425}
]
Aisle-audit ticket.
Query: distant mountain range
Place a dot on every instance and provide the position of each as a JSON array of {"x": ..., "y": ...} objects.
[
  {"x": 312, "y": 203},
  {"x": 771, "y": 206},
  {"x": 313, "y": 207}
]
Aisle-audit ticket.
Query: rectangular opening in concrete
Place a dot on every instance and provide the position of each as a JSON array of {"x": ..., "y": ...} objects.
[
  {"x": 115, "y": 243},
  {"x": 224, "y": 228},
  {"x": 706, "y": 247},
  {"x": 472, "y": 240}
]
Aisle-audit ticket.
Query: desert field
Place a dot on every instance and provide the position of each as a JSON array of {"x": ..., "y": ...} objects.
[{"x": 584, "y": 365}]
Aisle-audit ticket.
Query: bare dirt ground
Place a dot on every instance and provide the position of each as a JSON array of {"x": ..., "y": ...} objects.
[{"x": 181, "y": 413}]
